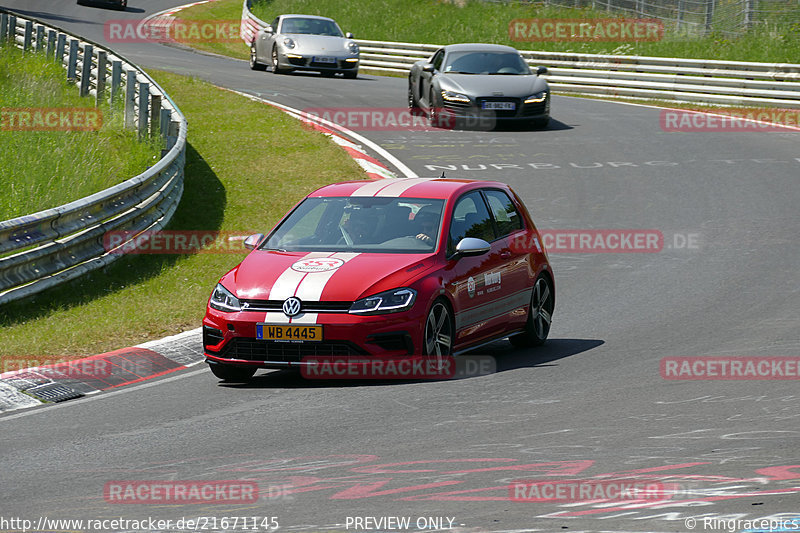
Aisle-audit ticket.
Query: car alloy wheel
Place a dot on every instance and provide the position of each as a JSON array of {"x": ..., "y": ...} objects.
[
  {"x": 254, "y": 64},
  {"x": 540, "y": 315},
  {"x": 433, "y": 115},
  {"x": 438, "y": 330},
  {"x": 412, "y": 102},
  {"x": 275, "y": 68}
]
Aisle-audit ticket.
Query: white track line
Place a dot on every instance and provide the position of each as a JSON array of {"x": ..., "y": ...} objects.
[{"x": 399, "y": 165}]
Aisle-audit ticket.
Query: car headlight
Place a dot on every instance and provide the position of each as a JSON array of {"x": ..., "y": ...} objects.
[
  {"x": 541, "y": 96},
  {"x": 288, "y": 42},
  {"x": 450, "y": 96},
  {"x": 353, "y": 47},
  {"x": 223, "y": 300},
  {"x": 392, "y": 301}
]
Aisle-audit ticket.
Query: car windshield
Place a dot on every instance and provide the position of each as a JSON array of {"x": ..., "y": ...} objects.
[
  {"x": 508, "y": 63},
  {"x": 360, "y": 224},
  {"x": 310, "y": 26}
]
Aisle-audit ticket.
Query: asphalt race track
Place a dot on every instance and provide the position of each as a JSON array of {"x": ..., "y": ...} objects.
[{"x": 591, "y": 405}]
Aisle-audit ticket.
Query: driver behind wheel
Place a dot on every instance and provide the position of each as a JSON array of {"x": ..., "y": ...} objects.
[
  {"x": 359, "y": 226},
  {"x": 426, "y": 223}
]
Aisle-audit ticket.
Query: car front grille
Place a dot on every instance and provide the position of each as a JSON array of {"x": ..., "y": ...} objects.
[
  {"x": 250, "y": 349},
  {"x": 306, "y": 307}
]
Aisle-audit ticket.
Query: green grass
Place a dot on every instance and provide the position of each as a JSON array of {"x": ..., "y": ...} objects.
[
  {"x": 44, "y": 169},
  {"x": 246, "y": 165},
  {"x": 214, "y": 13},
  {"x": 437, "y": 22}
]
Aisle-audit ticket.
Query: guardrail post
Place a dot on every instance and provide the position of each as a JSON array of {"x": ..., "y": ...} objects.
[
  {"x": 130, "y": 98},
  {"x": 72, "y": 60},
  {"x": 61, "y": 46},
  {"x": 86, "y": 69},
  {"x": 116, "y": 79},
  {"x": 51, "y": 44},
  {"x": 155, "y": 114},
  {"x": 172, "y": 134},
  {"x": 12, "y": 28},
  {"x": 100, "y": 82},
  {"x": 144, "y": 96},
  {"x": 3, "y": 27},
  {"x": 26, "y": 39},
  {"x": 164, "y": 121},
  {"x": 39, "y": 38}
]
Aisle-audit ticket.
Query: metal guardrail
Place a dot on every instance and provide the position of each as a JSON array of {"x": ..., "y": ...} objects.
[
  {"x": 56, "y": 245},
  {"x": 707, "y": 81}
]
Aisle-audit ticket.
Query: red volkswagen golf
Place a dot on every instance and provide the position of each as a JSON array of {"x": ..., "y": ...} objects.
[{"x": 387, "y": 268}]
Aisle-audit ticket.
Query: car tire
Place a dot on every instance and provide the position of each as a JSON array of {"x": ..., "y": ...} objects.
[
  {"x": 350, "y": 74},
  {"x": 433, "y": 116},
  {"x": 274, "y": 57},
  {"x": 239, "y": 374},
  {"x": 439, "y": 330},
  {"x": 540, "y": 314},
  {"x": 123, "y": 5},
  {"x": 413, "y": 105},
  {"x": 254, "y": 64}
]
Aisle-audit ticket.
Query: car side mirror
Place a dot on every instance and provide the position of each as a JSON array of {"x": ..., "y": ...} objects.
[
  {"x": 252, "y": 241},
  {"x": 428, "y": 67},
  {"x": 349, "y": 35},
  {"x": 541, "y": 70},
  {"x": 269, "y": 29},
  {"x": 470, "y": 246}
]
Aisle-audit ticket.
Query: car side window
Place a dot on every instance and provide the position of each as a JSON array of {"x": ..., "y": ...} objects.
[
  {"x": 470, "y": 219},
  {"x": 504, "y": 212},
  {"x": 437, "y": 60}
]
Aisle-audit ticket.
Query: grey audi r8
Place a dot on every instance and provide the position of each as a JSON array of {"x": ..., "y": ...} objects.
[
  {"x": 305, "y": 42},
  {"x": 478, "y": 83}
]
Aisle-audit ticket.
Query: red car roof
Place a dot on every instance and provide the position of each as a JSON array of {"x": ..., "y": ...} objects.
[{"x": 442, "y": 188}]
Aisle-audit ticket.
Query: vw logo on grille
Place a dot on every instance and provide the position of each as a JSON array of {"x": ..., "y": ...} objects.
[{"x": 291, "y": 306}]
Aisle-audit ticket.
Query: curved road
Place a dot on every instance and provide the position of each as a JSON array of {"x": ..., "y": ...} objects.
[{"x": 590, "y": 405}]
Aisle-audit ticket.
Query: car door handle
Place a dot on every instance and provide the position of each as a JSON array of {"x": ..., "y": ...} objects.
[{"x": 505, "y": 254}]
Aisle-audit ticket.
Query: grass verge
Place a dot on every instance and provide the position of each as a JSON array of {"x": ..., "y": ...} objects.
[
  {"x": 44, "y": 169},
  {"x": 246, "y": 165},
  {"x": 438, "y": 22}
]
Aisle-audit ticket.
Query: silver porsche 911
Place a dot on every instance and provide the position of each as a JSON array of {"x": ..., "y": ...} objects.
[
  {"x": 478, "y": 83},
  {"x": 305, "y": 42}
]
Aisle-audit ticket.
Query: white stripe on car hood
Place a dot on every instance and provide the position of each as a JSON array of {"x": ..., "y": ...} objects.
[{"x": 308, "y": 286}]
